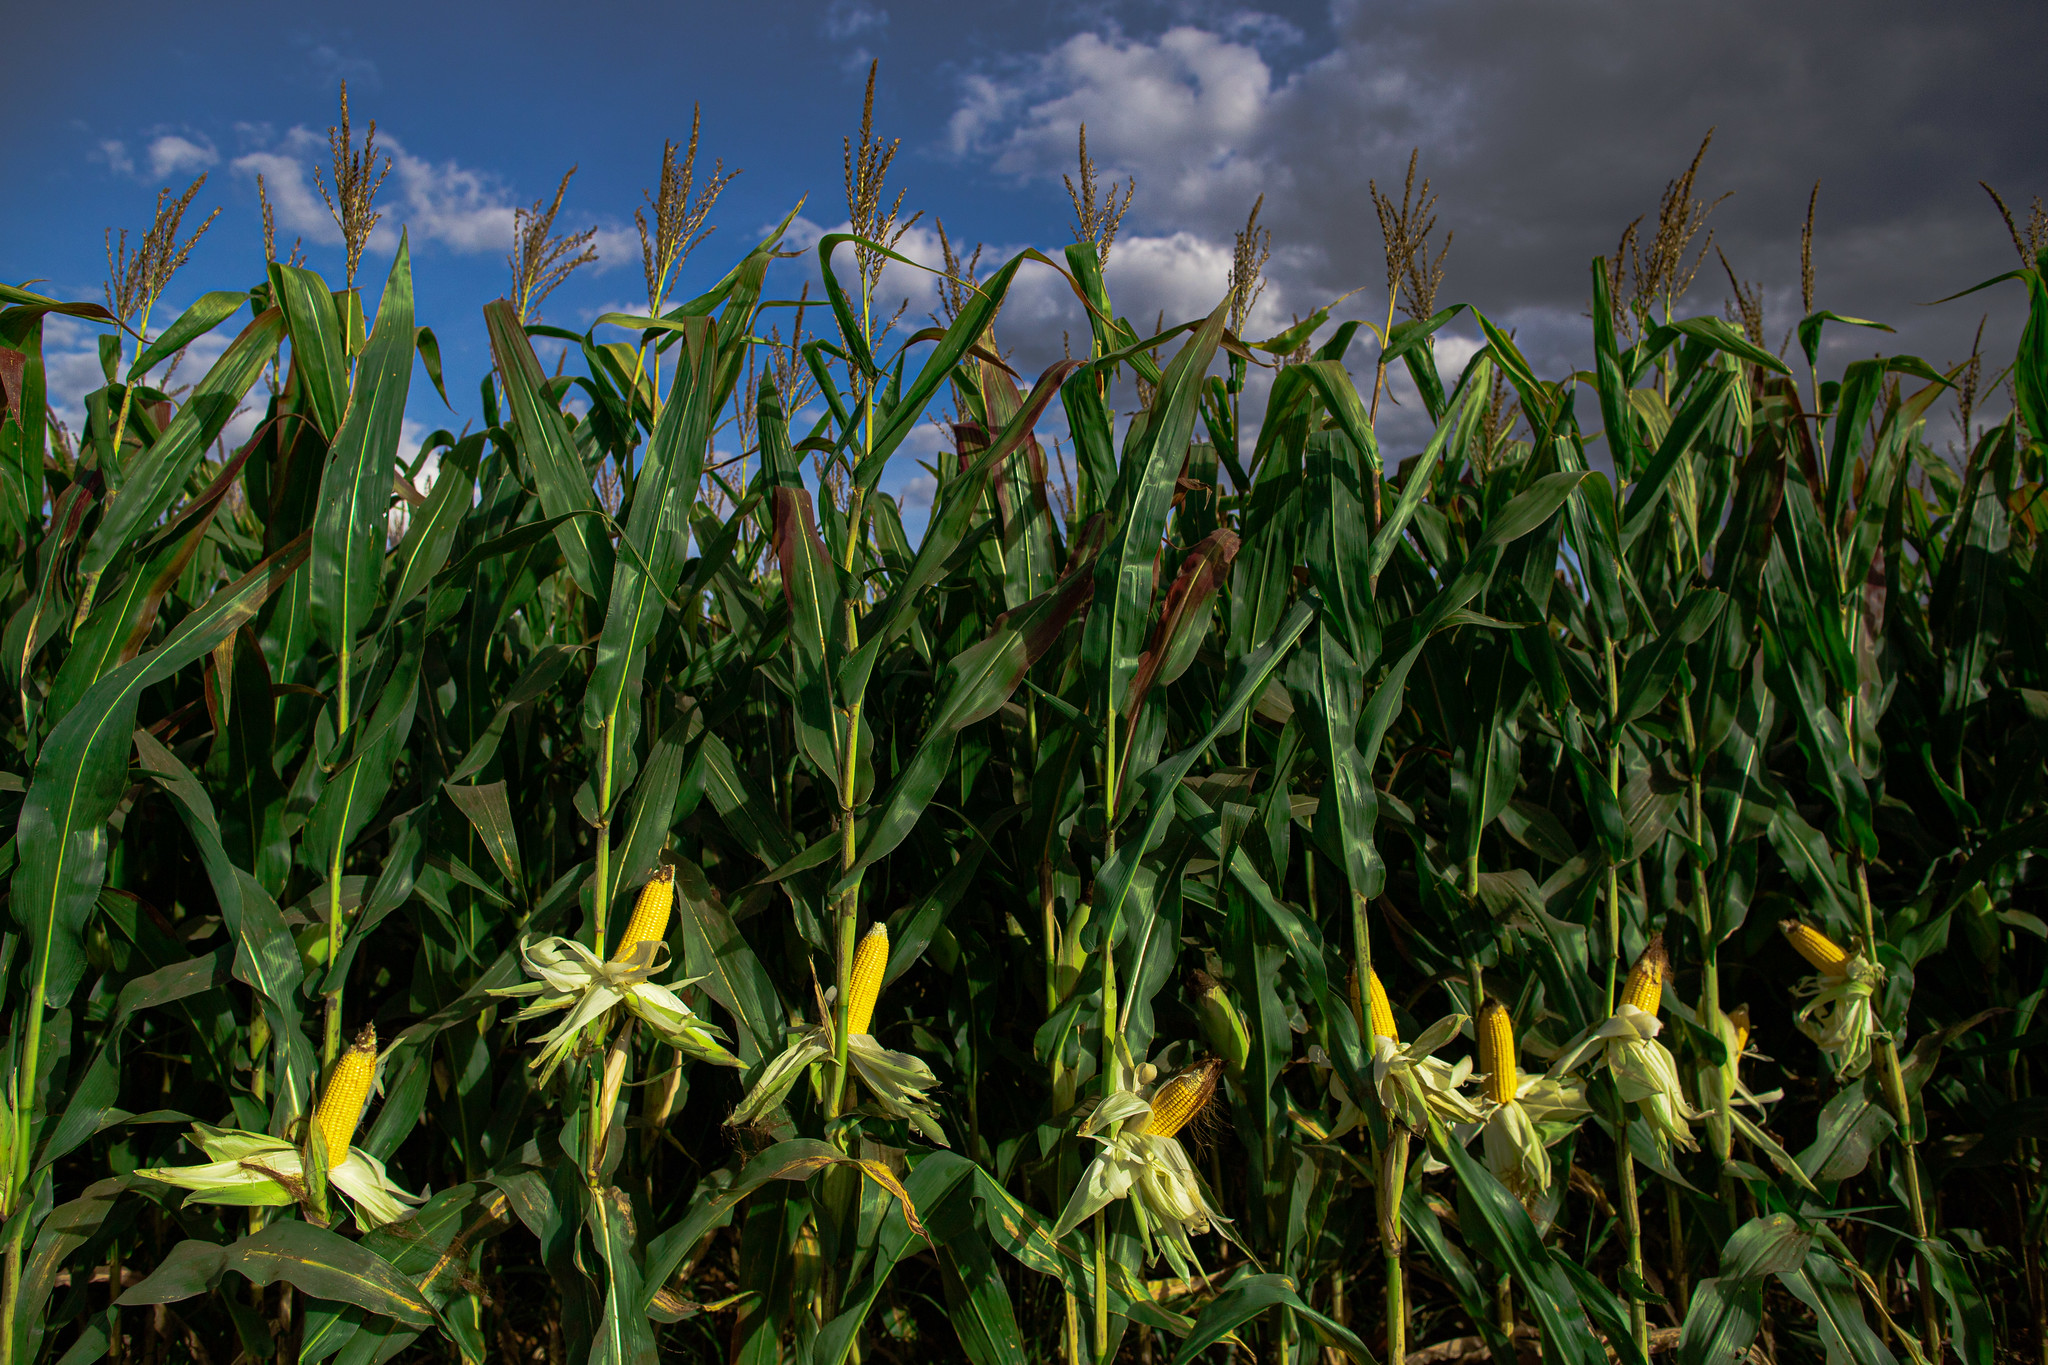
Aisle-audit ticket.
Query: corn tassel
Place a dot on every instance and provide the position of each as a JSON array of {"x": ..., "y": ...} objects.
[
  {"x": 650, "y": 913},
  {"x": 1180, "y": 1099},
  {"x": 869, "y": 961},
  {"x": 1497, "y": 1051},
  {"x": 1645, "y": 988},
  {"x": 348, "y": 1090},
  {"x": 1817, "y": 948},
  {"x": 1381, "y": 1009}
]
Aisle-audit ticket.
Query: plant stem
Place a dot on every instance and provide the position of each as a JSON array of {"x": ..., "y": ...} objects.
[
  {"x": 1674, "y": 1213},
  {"x": 1893, "y": 1082},
  {"x": 1393, "y": 1179},
  {"x": 604, "y": 1097},
  {"x": 1372, "y": 417},
  {"x": 1720, "y": 1134},
  {"x": 330, "y": 1043},
  {"x": 1613, "y": 791},
  {"x": 1632, "y": 1228},
  {"x": 1101, "y": 1289},
  {"x": 848, "y": 909},
  {"x": 601, "y": 884}
]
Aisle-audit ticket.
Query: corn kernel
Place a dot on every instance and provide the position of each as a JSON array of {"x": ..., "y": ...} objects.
[
  {"x": 1817, "y": 948},
  {"x": 348, "y": 1090},
  {"x": 1497, "y": 1051},
  {"x": 650, "y": 913},
  {"x": 870, "y": 959},
  {"x": 1381, "y": 1009},
  {"x": 1646, "y": 979},
  {"x": 1180, "y": 1099}
]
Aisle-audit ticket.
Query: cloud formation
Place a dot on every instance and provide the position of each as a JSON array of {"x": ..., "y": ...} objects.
[
  {"x": 1546, "y": 129},
  {"x": 177, "y": 154}
]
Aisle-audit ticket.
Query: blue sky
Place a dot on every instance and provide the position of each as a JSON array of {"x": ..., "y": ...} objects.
[{"x": 1545, "y": 129}]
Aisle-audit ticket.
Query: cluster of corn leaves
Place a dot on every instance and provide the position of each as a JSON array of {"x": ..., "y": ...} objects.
[{"x": 272, "y": 772}]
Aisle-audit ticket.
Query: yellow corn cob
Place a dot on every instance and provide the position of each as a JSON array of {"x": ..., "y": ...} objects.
[
  {"x": 1180, "y": 1099},
  {"x": 1646, "y": 979},
  {"x": 1738, "y": 1018},
  {"x": 1823, "y": 952},
  {"x": 869, "y": 960},
  {"x": 1497, "y": 1051},
  {"x": 650, "y": 913},
  {"x": 1380, "y": 1009},
  {"x": 348, "y": 1090}
]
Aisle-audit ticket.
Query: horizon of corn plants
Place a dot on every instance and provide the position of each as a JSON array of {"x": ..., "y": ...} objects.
[{"x": 1228, "y": 901}]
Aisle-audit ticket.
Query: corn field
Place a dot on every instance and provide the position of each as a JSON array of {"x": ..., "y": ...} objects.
[{"x": 1204, "y": 898}]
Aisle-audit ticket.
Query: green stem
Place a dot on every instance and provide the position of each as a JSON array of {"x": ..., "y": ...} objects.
[
  {"x": 1393, "y": 1179},
  {"x": 1613, "y": 791},
  {"x": 1893, "y": 1082},
  {"x": 848, "y": 908},
  {"x": 601, "y": 884},
  {"x": 1674, "y": 1214},
  {"x": 1720, "y": 1126},
  {"x": 10, "y": 1297},
  {"x": 330, "y": 1043},
  {"x": 1101, "y": 1289},
  {"x": 1632, "y": 1228}
]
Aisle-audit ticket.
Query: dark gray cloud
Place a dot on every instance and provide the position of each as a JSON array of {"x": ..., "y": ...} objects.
[{"x": 1545, "y": 129}]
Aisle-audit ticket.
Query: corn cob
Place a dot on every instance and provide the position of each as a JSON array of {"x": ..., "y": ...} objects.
[
  {"x": 1180, "y": 1099},
  {"x": 650, "y": 913},
  {"x": 869, "y": 960},
  {"x": 1225, "y": 1027},
  {"x": 1380, "y": 1009},
  {"x": 1497, "y": 1051},
  {"x": 1646, "y": 979},
  {"x": 1817, "y": 948},
  {"x": 348, "y": 1090}
]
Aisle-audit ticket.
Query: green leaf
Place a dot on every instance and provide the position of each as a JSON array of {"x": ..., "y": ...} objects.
[
  {"x": 83, "y": 768},
  {"x": 1775, "y": 1244},
  {"x": 1144, "y": 494},
  {"x": 355, "y": 492},
  {"x": 489, "y": 810},
  {"x": 1825, "y": 1288},
  {"x": 319, "y": 351},
  {"x": 548, "y": 451},
  {"x": 430, "y": 533},
  {"x": 327, "y": 1266},
  {"x": 156, "y": 477},
  {"x": 1252, "y": 1295},
  {"x": 1721, "y": 1323},
  {"x": 714, "y": 950},
  {"x": 1511, "y": 1242},
  {"x": 207, "y": 312}
]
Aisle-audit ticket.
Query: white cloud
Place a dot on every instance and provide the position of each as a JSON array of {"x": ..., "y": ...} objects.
[
  {"x": 176, "y": 154},
  {"x": 466, "y": 209},
  {"x": 846, "y": 18},
  {"x": 286, "y": 179},
  {"x": 616, "y": 247},
  {"x": 1181, "y": 112},
  {"x": 917, "y": 491},
  {"x": 333, "y": 65},
  {"x": 114, "y": 152}
]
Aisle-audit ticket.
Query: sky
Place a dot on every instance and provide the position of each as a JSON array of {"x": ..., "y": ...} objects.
[{"x": 1544, "y": 129}]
